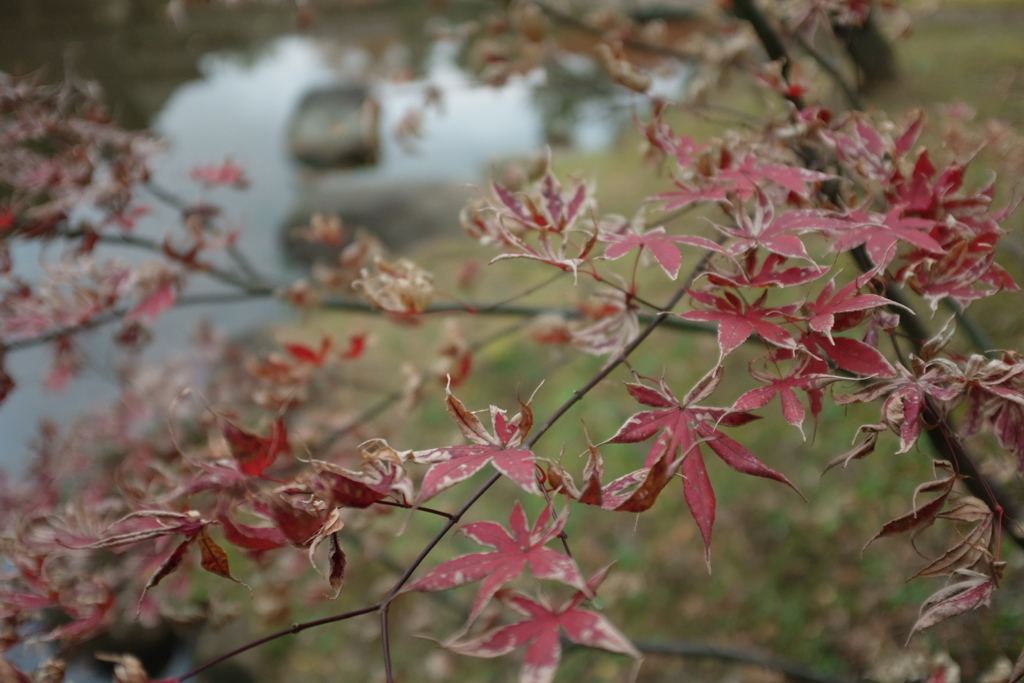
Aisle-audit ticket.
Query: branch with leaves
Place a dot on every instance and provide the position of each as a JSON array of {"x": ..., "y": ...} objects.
[{"x": 822, "y": 239}]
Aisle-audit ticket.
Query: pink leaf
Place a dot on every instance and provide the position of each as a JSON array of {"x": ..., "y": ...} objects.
[
  {"x": 700, "y": 498},
  {"x": 973, "y": 592}
]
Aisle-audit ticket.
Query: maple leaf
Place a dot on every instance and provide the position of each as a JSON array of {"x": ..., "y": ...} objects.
[
  {"x": 903, "y": 409},
  {"x": 687, "y": 194},
  {"x": 850, "y": 354},
  {"x": 823, "y": 310},
  {"x": 155, "y": 303},
  {"x": 747, "y": 177},
  {"x": 920, "y": 518},
  {"x": 737, "y": 320},
  {"x": 768, "y": 274},
  {"x": 542, "y": 632},
  {"x": 305, "y": 354},
  {"x": 547, "y": 208},
  {"x": 188, "y": 524},
  {"x": 973, "y": 547},
  {"x": 881, "y": 234},
  {"x": 255, "y": 539},
  {"x": 684, "y": 426},
  {"x": 228, "y": 174},
  {"x": 784, "y": 387},
  {"x": 513, "y": 551},
  {"x": 381, "y": 476},
  {"x": 255, "y": 454},
  {"x": 975, "y": 590},
  {"x": 616, "y": 323},
  {"x": 450, "y": 465},
  {"x": 547, "y": 213},
  {"x": 663, "y": 247},
  {"x": 778, "y": 235}
]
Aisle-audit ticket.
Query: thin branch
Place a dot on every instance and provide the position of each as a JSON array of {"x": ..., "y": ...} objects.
[
  {"x": 432, "y": 511},
  {"x": 131, "y": 240},
  {"x": 119, "y": 313},
  {"x": 386, "y": 642},
  {"x": 174, "y": 201},
  {"x": 849, "y": 92},
  {"x": 631, "y": 43},
  {"x": 361, "y": 419},
  {"x": 291, "y": 630},
  {"x": 770, "y": 40}
]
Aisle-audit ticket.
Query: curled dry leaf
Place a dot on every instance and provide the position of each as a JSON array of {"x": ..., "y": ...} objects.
[
  {"x": 399, "y": 287},
  {"x": 921, "y": 517},
  {"x": 973, "y": 547},
  {"x": 127, "y": 668},
  {"x": 975, "y": 590},
  {"x": 621, "y": 69},
  {"x": 338, "y": 563},
  {"x": 214, "y": 559}
]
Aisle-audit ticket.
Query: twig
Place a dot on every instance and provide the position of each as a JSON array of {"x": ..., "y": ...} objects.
[
  {"x": 176, "y": 202},
  {"x": 852, "y": 98},
  {"x": 770, "y": 40},
  {"x": 291, "y": 630},
  {"x": 432, "y": 511},
  {"x": 361, "y": 419},
  {"x": 125, "y": 239},
  {"x": 119, "y": 313}
]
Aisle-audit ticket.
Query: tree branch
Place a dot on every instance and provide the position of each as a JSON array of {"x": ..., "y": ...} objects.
[
  {"x": 941, "y": 433},
  {"x": 291, "y": 630}
]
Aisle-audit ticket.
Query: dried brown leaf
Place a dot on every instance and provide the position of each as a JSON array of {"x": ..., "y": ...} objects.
[
  {"x": 338, "y": 563},
  {"x": 214, "y": 559}
]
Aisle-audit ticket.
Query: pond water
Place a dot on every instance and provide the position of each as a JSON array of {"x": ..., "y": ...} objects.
[{"x": 236, "y": 103}]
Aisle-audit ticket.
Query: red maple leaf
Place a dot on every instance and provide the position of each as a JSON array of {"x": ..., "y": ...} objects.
[
  {"x": 737, "y": 320},
  {"x": 748, "y": 176},
  {"x": 228, "y": 174},
  {"x": 784, "y": 387},
  {"x": 556, "y": 211},
  {"x": 256, "y": 453},
  {"x": 823, "y": 310},
  {"x": 881, "y": 235},
  {"x": 664, "y": 247},
  {"x": 381, "y": 476},
  {"x": 850, "y": 354},
  {"x": 777, "y": 234},
  {"x": 156, "y": 302},
  {"x": 305, "y": 354},
  {"x": 542, "y": 631},
  {"x": 512, "y": 553},
  {"x": 974, "y": 591},
  {"x": 683, "y": 427},
  {"x": 453, "y": 464},
  {"x": 768, "y": 274}
]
